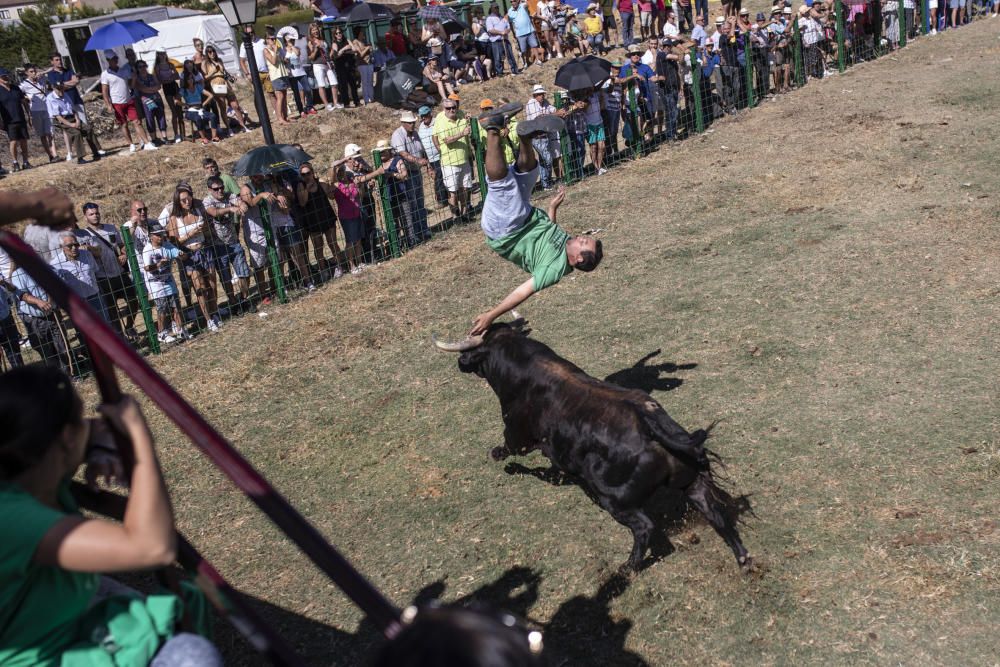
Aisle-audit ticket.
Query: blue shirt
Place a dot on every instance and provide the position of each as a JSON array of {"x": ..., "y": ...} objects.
[
  {"x": 58, "y": 77},
  {"x": 521, "y": 20},
  {"x": 644, "y": 71},
  {"x": 192, "y": 97},
  {"x": 26, "y": 284}
]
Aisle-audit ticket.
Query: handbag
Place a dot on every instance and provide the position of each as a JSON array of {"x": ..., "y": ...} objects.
[{"x": 220, "y": 88}]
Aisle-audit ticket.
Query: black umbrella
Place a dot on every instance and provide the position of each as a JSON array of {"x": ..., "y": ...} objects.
[
  {"x": 439, "y": 12},
  {"x": 270, "y": 160},
  {"x": 399, "y": 78},
  {"x": 454, "y": 27},
  {"x": 583, "y": 72},
  {"x": 362, "y": 12}
]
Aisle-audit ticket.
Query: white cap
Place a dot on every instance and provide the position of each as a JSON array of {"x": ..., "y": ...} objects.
[{"x": 352, "y": 150}]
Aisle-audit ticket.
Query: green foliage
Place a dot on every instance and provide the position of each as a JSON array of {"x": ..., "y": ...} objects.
[
  {"x": 32, "y": 36},
  {"x": 283, "y": 19}
]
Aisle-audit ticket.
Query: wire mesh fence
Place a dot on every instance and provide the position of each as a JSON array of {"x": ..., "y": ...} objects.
[{"x": 219, "y": 249}]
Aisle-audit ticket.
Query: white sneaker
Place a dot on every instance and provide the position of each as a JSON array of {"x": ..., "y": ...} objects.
[
  {"x": 69, "y": 157},
  {"x": 356, "y": 270},
  {"x": 177, "y": 140},
  {"x": 149, "y": 147},
  {"x": 131, "y": 148},
  {"x": 338, "y": 106},
  {"x": 602, "y": 171},
  {"x": 330, "y": 107},
  {"x": 337, "y": 272},
  {"x": 165, "y": 337},
  {"x": 213, "y": 326},
  {"x": 101, "y": 151},
  {"x": 933, "y": 31}
]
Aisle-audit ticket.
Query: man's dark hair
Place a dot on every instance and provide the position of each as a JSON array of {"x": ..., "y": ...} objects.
[
  {"x": 214, "y": 180},
  {"x": 395, "y": 22},
  {"x": 55, "y": 54},
  {"x": 208, "y": 162},
  {"x": 590, "y": 259},
  {"x": 89, "y": 205}
]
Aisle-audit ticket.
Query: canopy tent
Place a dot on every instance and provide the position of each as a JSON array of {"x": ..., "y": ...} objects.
[{"x": 176, "y": 37}]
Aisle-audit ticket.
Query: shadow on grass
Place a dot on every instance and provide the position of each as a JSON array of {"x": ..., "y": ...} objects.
[
  {"x": 580, "y": 632},
  {"x": 646, "y": 377}
]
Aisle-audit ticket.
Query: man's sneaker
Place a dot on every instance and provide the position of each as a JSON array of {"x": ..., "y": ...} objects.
[
  {"x": 497, "y": 119},
  {"x": 131, "y": 148},
  {"x": 25, "y": 165},
  {"x": 101, "y": 151},
  {"x": 15, "y": 167},
  {"x": 310, "y": 287},
  {"x": 541, "y": 125},
  {"x": 149, "y": 147},
  {"x": 165, "y": 337},
  {"x": 213, "y": 325}
]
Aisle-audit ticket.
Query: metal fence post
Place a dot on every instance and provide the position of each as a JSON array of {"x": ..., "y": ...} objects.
[
  {"x": 699, "y": 118},
  {"x": 563, "y": 146},
  {"x": 838, "y": 7},
  {"x": 140, "y": 290},
  {"x": 272, "y": 252},
  {"x": 925, "y": 17},
  {"x": 800, "y": 75},
  {"x": 478, "y": 154},
  {"x": 901, "y": 20},
  {"x": 390, "y": 222},
  {"x": 748, "y": 68}
]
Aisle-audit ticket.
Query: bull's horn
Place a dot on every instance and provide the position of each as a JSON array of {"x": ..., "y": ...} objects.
[{"x": 458, "y": 346}]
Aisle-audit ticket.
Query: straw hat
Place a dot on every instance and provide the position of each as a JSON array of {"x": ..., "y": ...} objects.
[
  {"x": 408, "y": 117},
  {"x": 382, "y": 146},
  {"x": 538, "y": 89}
]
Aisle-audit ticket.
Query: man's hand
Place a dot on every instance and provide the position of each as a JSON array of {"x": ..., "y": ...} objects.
[
  {"x": 481, "y": 324},
  {"x": 48, "y": 206},
  {"x": 103, "y": 461}
]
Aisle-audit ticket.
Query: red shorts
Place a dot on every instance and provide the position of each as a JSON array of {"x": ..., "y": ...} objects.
[{"x": 125, "y": 112}]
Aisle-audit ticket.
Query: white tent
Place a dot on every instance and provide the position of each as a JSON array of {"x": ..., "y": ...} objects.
[{"x": 176, "y": 37}]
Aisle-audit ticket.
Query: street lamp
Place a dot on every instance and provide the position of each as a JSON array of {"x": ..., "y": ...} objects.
[{"x": 242, "y": 14}]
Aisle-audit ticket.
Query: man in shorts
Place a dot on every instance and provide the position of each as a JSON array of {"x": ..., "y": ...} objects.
[
  {"x": 118, "y": 100},
  {"x": 14, "y": 119},
  {"x": 451, "y": 137},
  {"x": 224, "y": 210},
  {"x": 515, "y": 230},
  {"x": 524, "y": 31},
  {"x": 35, "y": 89}
]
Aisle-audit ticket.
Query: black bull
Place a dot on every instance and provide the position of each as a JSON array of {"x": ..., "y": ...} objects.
[{"x": 618, "y": 443}]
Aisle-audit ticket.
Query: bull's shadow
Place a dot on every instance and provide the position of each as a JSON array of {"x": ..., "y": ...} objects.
[
  {"x": 580, "y": 632},
  {"x": 647, "y": 377}
]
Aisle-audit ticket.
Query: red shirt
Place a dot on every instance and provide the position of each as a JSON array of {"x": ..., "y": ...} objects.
[{"x": 396, "y": 43}]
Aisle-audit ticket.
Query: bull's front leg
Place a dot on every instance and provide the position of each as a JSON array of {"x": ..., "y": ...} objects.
[{"x": 515, "y": 442}]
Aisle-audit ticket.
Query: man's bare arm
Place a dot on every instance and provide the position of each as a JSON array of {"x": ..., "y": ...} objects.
[
  {"x": 48, "y": 207},
  {"x": 511, "y": 301}
]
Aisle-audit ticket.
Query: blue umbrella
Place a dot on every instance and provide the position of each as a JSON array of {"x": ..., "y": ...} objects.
[{"x": 119, "y": 33}]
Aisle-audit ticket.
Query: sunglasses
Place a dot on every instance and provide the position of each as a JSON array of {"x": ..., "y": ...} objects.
[
  {"x": 71, "y": 245},
  {"x": 141, "y": 210},
  {"x": 305, "y": 173},
  {"x": 450, "y": 108},
  {"x": 217, "y": 187}
]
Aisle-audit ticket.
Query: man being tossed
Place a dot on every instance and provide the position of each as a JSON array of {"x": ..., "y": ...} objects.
[{"x": 519, "y": 232}]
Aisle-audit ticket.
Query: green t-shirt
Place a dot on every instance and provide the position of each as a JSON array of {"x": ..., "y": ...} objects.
[
  {"x": 232, "y": 187},
  {"x": 539, "y": 247},
  {"x": 44, "y": 614}
]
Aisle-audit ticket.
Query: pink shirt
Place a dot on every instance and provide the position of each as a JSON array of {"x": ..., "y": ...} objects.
[{"x": 348, "y": 199}]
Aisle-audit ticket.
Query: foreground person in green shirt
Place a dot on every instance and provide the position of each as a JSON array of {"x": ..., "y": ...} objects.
[
  {"x": 50, "y": 556},
  {"x": 519, "y": 232}
]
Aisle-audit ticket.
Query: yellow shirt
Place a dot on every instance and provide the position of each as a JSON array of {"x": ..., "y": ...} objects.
[
  {"x": 456, "y": 153},
  {"x": 592, "y": 25}
]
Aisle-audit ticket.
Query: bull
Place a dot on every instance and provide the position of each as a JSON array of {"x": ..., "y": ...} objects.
[{"x": 618, "y": 444}]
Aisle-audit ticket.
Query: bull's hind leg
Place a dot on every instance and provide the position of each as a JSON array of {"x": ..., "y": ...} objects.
[
  {"x": 719, "y": 509},
  {"x": 640, "y": 525}
]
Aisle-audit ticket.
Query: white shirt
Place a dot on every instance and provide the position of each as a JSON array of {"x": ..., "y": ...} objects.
[
  {"x": 714, "y": 39},
  {"x": 533, "y": 109},
  {"x": 670, "y": 29},
  {"x": 80, "y": 275},
  {"x": 258, "y": 54},
  {"x": 34, "y": 91},
  {"x": 117, "y": 83},
  {"x": 649, "y": 57}
]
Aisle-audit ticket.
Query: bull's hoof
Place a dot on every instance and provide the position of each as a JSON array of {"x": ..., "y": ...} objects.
[
  {"x": 747, "y": 566},
  {"x": 499, "y": 453}
]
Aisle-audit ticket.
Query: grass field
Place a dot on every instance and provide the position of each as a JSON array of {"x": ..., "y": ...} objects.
[{"x": 824, "y": 272}]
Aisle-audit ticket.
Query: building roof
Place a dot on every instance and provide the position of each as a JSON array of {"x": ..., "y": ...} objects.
[
  {"x": 18, "y": 3},
  {"x": 128, "y": 14}
]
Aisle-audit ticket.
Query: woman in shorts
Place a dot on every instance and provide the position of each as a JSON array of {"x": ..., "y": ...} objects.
[
  {"x": 220, "y": 82},
  {"x": 277, "y": 71},
  {"x": 187, "y": 229},
  {"x": 323, "y": 72}
]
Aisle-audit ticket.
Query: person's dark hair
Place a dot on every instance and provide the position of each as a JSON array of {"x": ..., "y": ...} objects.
[
  {"x": 177, "y": 210},
  {"x": 214, "y": 180},
  {"x": 270, "y": 32},
  {"x": 459, "y": 638},
  {"x": 209, "y": 161},
  {"x": 55, "y": 54},
  {"x": 590, "y": 259},
  {"x": 89, "y": 205},
  {"x": 36, "y": 403},
  {"x": 395, "y": 22}
]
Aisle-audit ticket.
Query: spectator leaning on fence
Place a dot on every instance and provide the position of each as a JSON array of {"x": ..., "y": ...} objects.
[
  {"x": 425, "y": 130},
  {"x": 224, "y": 209},
  {"x": 156, "y": 264},
  {"x": 318, "y": 219},
  {"x": 451, "y": 136},
  {"x": 547, "y": 145},
  {"x": 10, "y": 337},
  {"x": 77, "y": 268},
  {"x": 406, "y": 144},
  {"x": 105, "y": 244}
]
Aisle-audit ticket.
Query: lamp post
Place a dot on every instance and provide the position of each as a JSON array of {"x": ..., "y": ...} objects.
[{"x": 242, "y": 14}]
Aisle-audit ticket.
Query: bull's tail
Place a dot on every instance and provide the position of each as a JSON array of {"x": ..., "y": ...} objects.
[{"x": 688, "y": 446}]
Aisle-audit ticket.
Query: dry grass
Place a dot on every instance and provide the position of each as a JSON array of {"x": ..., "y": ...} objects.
[{"x": 830, "y": 264}]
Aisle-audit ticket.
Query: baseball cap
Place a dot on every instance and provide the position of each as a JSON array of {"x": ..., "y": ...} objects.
[
  {"x": 424, "y": 111},
  {"x": 4, "y": 72},
  {"x": 454, "y": 97},
  {"x": 486, "y": 104},
  {"x": 156, "y": 228},
  {"x": 352, "y": 150}
]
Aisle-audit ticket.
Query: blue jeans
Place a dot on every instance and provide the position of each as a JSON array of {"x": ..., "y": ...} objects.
[
  {"x": 670, "y": 104},
  {"x": 227, "y": 256},
  {"x": 411, "y": 206},
  {"x": 542, "y": 146},
  {"x": 303, "y": 102},
  {"x": 367, "y": 73},
  {"x": 499, "y": 49},
  {"x": 187, "y": 650},
  {"x": 628, "y": 19},
  {"x": 701, "y": 9}
]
